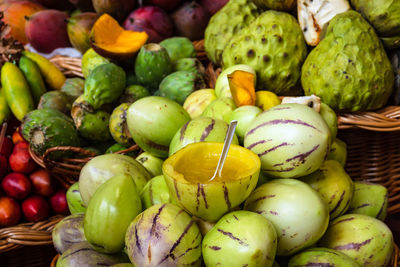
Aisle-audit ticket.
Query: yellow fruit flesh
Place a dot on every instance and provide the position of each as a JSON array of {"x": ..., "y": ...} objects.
[{"x": 198, "y": 164}]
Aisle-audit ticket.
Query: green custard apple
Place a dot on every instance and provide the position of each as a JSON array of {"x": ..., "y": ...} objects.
[
  {"x": 349, "y": 69},
  {"x": 273, "y": 45}
]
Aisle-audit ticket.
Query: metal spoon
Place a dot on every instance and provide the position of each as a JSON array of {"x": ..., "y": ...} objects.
[{"x": 225, "y": 149}]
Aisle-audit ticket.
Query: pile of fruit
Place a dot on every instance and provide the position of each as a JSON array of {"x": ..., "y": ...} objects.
[
  {"x": 25, "y": 186},
  {"x": 283, "y": 196},
  {"x": 71, "y": 20}
]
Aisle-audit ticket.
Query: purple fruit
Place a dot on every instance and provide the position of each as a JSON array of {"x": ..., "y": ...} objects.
[
  {"x": 191, "y": 20},
  {"x": 152, "y": 20},
  {"x": 213, "y": 5}
]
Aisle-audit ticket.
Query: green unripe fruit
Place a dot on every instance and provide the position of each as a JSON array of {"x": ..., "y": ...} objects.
[
  {"x": 240, "y": 238},
  {"x": 110, "y": 211}
]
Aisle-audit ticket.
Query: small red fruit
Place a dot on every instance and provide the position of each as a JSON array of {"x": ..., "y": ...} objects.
[
  {"x": 20, "y": 160},
  {"x": 59, "y": 203},
  {"x": 35, "y": 208},
  {"x": 7, "y": 147},
  {"x": 17, "y": 137},
  {"x": 41, "y": 182},
  {"x": 16, "y": 185},
  {"x": 10, "y": 213}
]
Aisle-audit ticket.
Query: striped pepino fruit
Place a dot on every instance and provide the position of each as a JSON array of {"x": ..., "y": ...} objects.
[
  {"x": 163, "y": 235},
  {"x": 292, "y": 140}
]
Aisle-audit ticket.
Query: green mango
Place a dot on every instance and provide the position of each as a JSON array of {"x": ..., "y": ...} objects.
[
  {"x": 178, "y": 48},
  {"x": 74, "y": 199},
  {"x": 111, "y": 209},
  {"x": 104, "y": 85}
]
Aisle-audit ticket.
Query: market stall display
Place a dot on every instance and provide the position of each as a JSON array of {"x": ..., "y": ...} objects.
[{"x": 134, "y": 129}]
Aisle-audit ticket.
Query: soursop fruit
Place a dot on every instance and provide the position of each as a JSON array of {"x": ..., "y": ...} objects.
[
  {"x": 273, "y": 45},
  {"x": 226, "y": 23},
  {"x": 349, "y": 69},
  {"x": 276, "y": 4},
  {"x": 384, "y": 16}
]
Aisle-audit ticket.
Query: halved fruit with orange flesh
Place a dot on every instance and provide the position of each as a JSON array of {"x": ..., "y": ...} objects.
[
  {"x": 188, "y": 172},
  {"x": 110, "y": 40}
]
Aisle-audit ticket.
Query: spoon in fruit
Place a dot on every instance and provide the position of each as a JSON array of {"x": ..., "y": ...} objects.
[{"x": 225, "y": 149}]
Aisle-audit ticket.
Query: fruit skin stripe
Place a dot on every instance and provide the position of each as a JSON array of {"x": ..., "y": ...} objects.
[
  {"x": 207, "y": 131},
  {"x": 183, "y": 130},
  {"x": 275, "y": 122},
  {"x": 272, "y": 149},
  {"x": 356, "y": 246},
  {"x": 339, "y": 202},
  {"x": 303, "y": 156},
  {"x": 230, "y": 235},
  {"x": 177, "y": 242},
  {"x": 226, "y": 196}
]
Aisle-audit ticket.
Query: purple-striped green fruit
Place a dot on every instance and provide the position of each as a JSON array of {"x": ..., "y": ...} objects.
[
  {"x": 202, "y": 129},
  {"x": 152, "y": 164},
  {"x": 74, "y": 199},
  {"x": 163, "y": 235},
  {"x": 188, "y": 172},
  {"x": 244, "y": 115},
  {"x": 67, "y": 232},
  {"x": 110, "y": 211},
  {"x": 338, "y": 151},
  {"x": 365, "y": 239},
  {"x": 297, "y": 211},
  {"x": 155, "y": 192},
  {"x": 322, "y": 257},
  {"x": 240, "y": 238},
  {"x": 334, "y": 185},
  {"x": 153, "y": 121},
  {"x": 369, "y": 199},
  {"x": 292, "y": 140},
  {"x": 83, "y": 254},
  {"x": 221, "y": 108},
  {"x": 197, "y": 102},
  {"x": 103, "y": 167}
]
